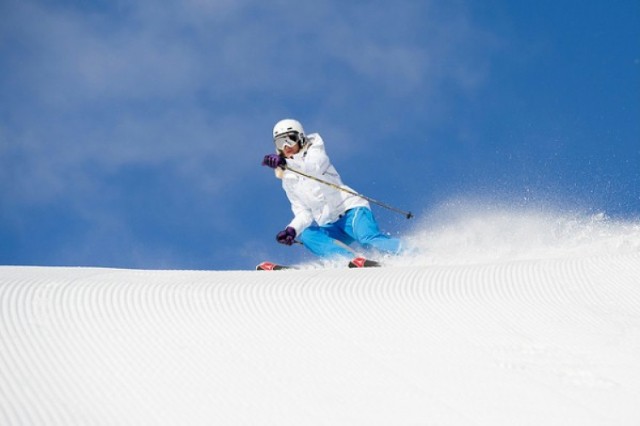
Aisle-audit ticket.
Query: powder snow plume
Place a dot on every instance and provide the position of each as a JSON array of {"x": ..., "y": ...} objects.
[{"x": 476, "y": 233}]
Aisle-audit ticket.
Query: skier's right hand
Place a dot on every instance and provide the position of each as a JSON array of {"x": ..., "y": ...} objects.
[
  {"x": 288, "y": 236},
  {"x": 274, "y": 161}
]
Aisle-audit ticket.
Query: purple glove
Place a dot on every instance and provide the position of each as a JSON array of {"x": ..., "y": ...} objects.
[
  {"x": 274, "y": 161},
  {"x": 288, "y": 236}
]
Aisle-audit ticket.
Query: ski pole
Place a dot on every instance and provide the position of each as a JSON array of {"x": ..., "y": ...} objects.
[{"x": 407, "y": 214}]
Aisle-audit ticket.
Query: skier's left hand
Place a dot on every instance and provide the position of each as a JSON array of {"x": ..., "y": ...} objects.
[
  {"x": 288, "y": 236},
  {"x": 274, "y": 161}
]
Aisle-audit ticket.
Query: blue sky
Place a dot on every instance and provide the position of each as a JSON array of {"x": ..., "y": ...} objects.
[{"x": 131, "y": 134}]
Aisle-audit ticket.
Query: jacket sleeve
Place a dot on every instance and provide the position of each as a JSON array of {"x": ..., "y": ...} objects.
[{"x": 302, "y": 215}]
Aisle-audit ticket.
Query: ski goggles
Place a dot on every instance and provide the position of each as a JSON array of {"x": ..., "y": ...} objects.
[{"x": 287, "y": 139}]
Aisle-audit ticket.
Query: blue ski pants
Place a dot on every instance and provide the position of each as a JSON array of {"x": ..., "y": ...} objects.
[{"x": 355, "y": 225}]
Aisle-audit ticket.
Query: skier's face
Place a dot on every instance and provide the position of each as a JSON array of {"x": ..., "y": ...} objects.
[
  {"x": 288, "y": 143},
  {"x": 290, "y": 151}
]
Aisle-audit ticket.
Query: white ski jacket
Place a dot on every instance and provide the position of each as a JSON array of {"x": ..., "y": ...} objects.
[{"x": 312, "y": 200}]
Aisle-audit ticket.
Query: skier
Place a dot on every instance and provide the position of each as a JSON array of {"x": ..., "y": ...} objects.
[{"x": 326, "y": 220}]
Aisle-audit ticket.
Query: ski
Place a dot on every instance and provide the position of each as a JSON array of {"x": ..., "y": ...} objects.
[
  {"x": 358, "y": 262},
  {"x": 269, "y": 266},
  {"x": 361, "y": 262}
]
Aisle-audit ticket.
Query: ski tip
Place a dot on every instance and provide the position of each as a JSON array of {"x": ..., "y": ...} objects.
[
  {"x": 269, "y": 266},
  {"x": 361, "y": 262}
]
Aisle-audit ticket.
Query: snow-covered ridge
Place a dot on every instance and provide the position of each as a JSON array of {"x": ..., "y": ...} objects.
[
  {"x": 494, "y": 319},
  {"x": 551, "y": 342}
]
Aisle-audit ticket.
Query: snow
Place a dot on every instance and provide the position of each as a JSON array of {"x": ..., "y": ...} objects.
[{"x": 501, "y": 318}]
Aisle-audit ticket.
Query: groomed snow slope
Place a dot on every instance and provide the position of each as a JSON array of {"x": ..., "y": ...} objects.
[{"x": 542, "y": 341}]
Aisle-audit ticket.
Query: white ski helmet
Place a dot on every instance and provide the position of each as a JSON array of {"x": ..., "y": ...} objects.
[
  {"x": 289, "y": 128},
  {"x": 287, "y": 125}
]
